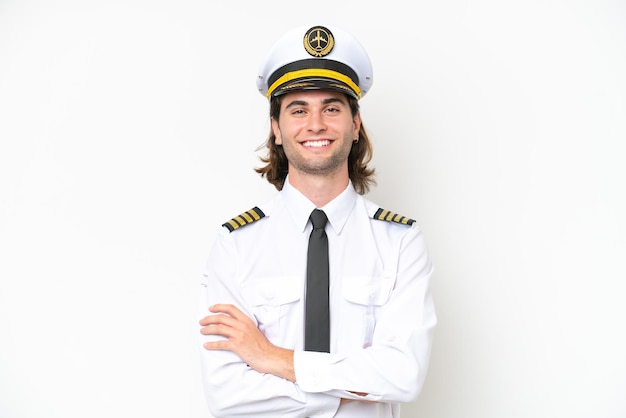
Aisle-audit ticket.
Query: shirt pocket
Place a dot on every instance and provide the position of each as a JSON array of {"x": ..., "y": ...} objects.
[
  {"x": 272, "y": 303},
  {"x": 365, "y": 295}
]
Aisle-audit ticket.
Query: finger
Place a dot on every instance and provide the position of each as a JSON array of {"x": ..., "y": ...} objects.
[
  {"x": 227, "y": 308},
  {"x": 217, "y": 319},
  {"x": 216, "y": 345},
  {"x": 217, "y": 330}
]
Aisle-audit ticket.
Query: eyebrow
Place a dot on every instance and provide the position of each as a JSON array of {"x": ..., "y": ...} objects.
[{"x": 324, "y": 102}]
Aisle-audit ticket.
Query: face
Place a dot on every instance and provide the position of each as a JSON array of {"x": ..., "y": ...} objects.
[{"x": 316, "y": 130}]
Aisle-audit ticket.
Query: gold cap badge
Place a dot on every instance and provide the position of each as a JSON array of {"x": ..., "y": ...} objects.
[{"x": 319, "y": 41}]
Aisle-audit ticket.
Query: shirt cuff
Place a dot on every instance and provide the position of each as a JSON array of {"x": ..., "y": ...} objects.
[{"x": 312, "y": 371}]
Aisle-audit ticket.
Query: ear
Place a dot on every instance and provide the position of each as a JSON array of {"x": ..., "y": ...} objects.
[
  {"x": 356, "y": 122},
  {"x": 276, "y": 130}
]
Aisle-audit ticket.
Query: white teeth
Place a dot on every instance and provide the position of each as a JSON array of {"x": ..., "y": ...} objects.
[{"x": 316, "y": 143}]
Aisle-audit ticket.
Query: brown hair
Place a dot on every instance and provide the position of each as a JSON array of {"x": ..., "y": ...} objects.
[{"x": 277, "y": 166}]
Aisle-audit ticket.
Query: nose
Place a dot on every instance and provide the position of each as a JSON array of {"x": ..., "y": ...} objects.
[{"x": 316, "y": 122}]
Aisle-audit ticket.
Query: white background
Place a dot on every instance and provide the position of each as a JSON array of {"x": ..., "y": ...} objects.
[{"x": 128, "y": 132}]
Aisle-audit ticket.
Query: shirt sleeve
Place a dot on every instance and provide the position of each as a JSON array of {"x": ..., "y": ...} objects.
[
  {"x": 393, "y": 368},
  {"x": 231, "y": 387}
]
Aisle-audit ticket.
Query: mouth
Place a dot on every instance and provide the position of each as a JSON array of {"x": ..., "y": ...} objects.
[{"x": 317, "y": 143}]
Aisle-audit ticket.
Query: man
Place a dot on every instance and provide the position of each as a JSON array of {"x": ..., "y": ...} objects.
[{"x": 272, "y": 345}]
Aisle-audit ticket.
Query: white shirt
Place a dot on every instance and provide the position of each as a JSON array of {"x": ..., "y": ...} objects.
[{"x": 381, "y": 310}]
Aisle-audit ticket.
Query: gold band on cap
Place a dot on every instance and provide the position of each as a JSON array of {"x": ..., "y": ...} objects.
[{"x": 314, "y": 72}]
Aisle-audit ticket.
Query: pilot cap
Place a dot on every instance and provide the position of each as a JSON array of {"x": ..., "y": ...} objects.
[{"x": 315, "y": 58}]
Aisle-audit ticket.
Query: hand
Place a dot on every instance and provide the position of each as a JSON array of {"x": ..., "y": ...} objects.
[
  {"x": 247, "y": 341},
  {"x": 346, "y": 400}
]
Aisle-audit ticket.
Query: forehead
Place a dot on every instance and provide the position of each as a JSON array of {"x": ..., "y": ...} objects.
[{"x": 310, "y": 97}]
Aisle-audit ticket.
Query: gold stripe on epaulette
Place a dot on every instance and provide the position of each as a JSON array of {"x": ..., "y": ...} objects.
[
  {"x": 244, "y": 219},
  {"x": 385, "y": 215}
]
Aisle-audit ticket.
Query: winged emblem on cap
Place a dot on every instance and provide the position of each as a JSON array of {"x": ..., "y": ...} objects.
[{"x": 319, "y": 41}]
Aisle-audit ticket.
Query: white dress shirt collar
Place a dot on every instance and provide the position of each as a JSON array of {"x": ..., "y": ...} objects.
[{"x": 337, "y": 210}]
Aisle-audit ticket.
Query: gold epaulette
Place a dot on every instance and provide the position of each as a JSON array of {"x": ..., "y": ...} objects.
[
  {"x": 244, "y": 219},
  {"x": 384, "y": 215}
]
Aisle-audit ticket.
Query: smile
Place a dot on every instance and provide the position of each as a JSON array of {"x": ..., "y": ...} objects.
[{"x": 321, "y": 143}]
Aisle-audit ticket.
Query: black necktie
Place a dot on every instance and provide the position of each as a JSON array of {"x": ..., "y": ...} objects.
[{"x": 317, "y": 317}]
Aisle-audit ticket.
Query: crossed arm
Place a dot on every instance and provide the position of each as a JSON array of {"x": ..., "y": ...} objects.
[
  {"x": 247, "y": 341},
  {"x": 243, "y": 338}
]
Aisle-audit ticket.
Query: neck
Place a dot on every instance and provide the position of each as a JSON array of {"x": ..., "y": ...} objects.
[{"x": 319, "y": 189}]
